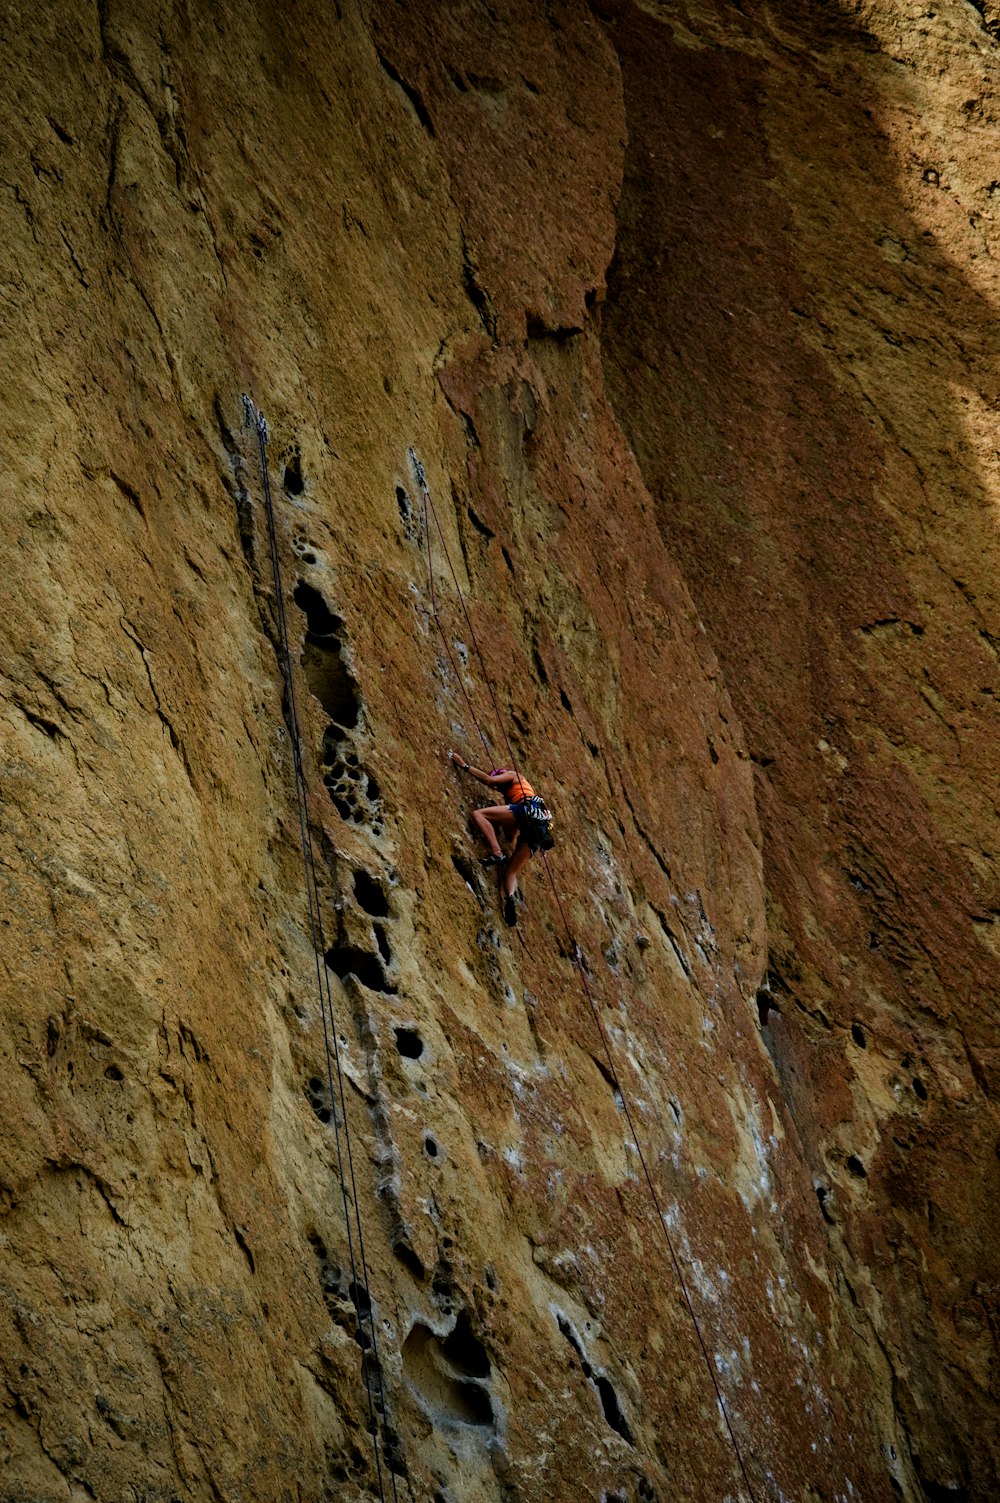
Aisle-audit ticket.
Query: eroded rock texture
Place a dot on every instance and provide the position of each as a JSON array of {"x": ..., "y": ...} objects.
[{"x": 688, "y": 312}]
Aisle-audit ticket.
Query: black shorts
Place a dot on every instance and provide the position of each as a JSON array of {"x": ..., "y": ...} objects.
[{"x": 534, "y": 822}]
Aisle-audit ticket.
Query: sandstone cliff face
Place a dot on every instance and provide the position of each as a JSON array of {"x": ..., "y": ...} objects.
[{"x": 686, "y": 312}]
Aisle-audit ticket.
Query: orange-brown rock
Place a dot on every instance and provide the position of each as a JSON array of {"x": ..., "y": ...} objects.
[{"x": 686, "y": 310}]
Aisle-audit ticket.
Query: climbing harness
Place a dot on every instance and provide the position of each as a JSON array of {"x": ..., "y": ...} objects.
[
  {"x": 360, "y": 1290},
  {"x": 573, "y": 949},
  {"x": 534, "y": 822}
]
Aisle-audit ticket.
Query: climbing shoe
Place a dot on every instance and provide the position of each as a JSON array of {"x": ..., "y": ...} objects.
[
  {"x": 509, "y": 911},
  {"x": 492, "y": 861}
]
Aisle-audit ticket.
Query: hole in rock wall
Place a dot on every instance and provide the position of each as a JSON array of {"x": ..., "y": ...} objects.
[
  {"x": 480, "y": 525},
  {"x": 321, "y": 621},
  {"x": 430, "y": 1147},
  {"x": 412, "y": 94},
  {"x": 610, "y": 1080},
  {"x": 409, "y": 1043},
  {"x": 360, "y": 1298},
  {"x": 353, "y": 792},
  {"x": 412, "y": 528},
  {"x": 394, "y": 1456},
  {"x": 404, "y": 1252},
  {"x": 360, "y": 1335},
  {"x": 948, "y": 1492},
  {"x": 319, "y": 1098},
  {"x": 369, "y": 893},
  {"x": 292, "y": 479},
  {"x": 823, "y": 1196},
  {"x": 766, "y": 1004},
  {"x": 348, "y": 960},
  {"x": 347, "y": 1302},
  {"x": 856, "y": 1167},
  {"x": 382, "y": 940},
  {"x": 343, "y": 806},
  {"x": 343, "y": 1298},
  {"x": 327, "y": 675},
  {"x": 450, "y": 1395},
  {"x": 612, "y": 1409},
  {"x": 682, "y": 959},
  {"x": 605, "y": 1389},
  {"x": 465, "y": 1351},
  {"x": 465, "y": 870},
  {"x": 858, "y": 1035},
  {"x": 919, "y": 1089}
]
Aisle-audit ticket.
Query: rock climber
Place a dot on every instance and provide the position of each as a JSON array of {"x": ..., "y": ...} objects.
[{"x": 523, "y": 816}]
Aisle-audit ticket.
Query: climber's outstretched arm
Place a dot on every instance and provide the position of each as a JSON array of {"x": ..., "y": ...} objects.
[{"x": 498, "y": 779}]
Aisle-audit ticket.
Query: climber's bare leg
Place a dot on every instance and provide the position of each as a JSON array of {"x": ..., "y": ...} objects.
[
  {"x": 486, "y": 822},
  {"x": 519, "y": 856}
]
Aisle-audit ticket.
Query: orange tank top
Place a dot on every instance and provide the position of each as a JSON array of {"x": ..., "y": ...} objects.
[{"x": 518, "y": 790}]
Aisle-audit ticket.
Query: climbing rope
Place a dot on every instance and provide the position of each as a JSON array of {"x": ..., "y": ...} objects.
[
  {"x": 574, "y": 951},
  {"x": 364, "y": 1309},
  {"x": 675, "y": 1261},
  {"x": 428, "y": 505},
  {"x": 430, "y": 510}
]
